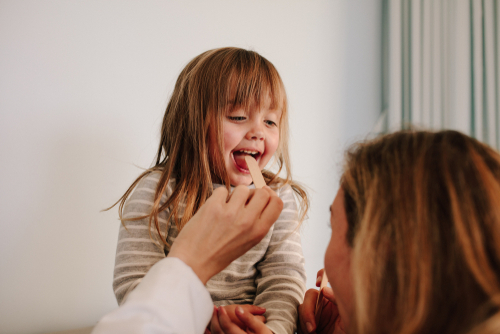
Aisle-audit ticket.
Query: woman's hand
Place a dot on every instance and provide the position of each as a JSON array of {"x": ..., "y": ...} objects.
[
  {"x": 222, "y": 323},
  {"x": 255, "y": 310},
  {"x": 329, "y": 319},
  {"x": 224, "y": 229}
]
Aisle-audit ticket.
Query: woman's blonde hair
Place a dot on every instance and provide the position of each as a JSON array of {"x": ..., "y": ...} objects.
[
  {"x": 212, "y": 84},
  {"x": 423, "y": 211}
]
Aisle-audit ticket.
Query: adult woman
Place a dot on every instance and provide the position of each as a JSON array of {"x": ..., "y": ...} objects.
[
  {"x": 415, "y": 244},
  {"x": 415, "y": 239}
]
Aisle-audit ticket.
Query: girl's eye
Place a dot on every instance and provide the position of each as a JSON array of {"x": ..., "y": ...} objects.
[
  {"x": 236, "y": 118},
  {"x": 271, "y": 123}
]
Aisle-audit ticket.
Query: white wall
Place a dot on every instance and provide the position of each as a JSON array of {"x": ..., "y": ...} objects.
[{"x": 83, "y": 87}]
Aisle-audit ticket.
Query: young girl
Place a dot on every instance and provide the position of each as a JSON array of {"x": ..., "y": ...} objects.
[{"x": 227, "y": 103}]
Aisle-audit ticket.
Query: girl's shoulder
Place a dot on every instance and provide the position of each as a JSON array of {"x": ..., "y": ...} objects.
[
  {"x": 294, "y": 197},
  {"x": 152, "y": 179},
  {"x": 284, "y": 192}
]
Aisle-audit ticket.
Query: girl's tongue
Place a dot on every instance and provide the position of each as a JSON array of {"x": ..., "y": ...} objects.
[{"x": 239, "y": 158}]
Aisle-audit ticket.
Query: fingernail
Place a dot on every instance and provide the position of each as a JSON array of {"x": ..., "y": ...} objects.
[
  {"x": 239, "y": 310},
  {"x": 328, "y": 292},
  {"x": 318, "y": 280},
  {"x": 309, "y": 327}
]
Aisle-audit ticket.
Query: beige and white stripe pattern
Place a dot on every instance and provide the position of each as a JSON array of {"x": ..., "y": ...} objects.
[{"x": 270, "y": 275}]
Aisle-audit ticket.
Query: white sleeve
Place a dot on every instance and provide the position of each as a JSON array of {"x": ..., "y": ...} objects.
[{"x": 169, "y": 299}]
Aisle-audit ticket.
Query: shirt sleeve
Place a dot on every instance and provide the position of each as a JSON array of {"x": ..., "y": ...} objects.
[
  {"x": 169, "y": 299},
  {"x": 281, "y": 278},
  {"x": 138, "y": 248}
]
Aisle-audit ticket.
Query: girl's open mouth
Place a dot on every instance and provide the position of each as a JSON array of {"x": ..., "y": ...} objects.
[{"x": 239, "y": 159}]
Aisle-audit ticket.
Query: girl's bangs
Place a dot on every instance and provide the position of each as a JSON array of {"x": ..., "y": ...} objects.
[{"x": 254, "y": 86}]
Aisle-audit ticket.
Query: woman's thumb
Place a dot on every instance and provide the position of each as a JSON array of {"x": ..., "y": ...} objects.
[
  {"x": 328, "y": 294},
  {"x": 252, "y": 323}
]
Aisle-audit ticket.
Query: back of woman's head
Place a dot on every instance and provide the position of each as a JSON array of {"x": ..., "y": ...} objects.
[{"x": 423, "y": 211}]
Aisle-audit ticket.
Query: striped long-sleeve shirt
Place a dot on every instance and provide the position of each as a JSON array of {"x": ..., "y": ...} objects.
[{"x": 270, "y": 275}]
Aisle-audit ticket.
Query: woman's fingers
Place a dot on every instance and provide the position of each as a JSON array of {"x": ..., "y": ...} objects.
[
  {"x": 328, "y": 294},
  {"x": 259, "y": 200},
  {"x": 261, "y": 212},
  {"x": 226, "y": 325},
  {"x": 261, "y": 318},
  {"x": 307, "y": 323},
  {"x": 269, "y": 203},
  {"x": 239, "y": 196},
  {"x": 253, "y": 324},
  {"x": 254, "y": 309},
  {"x": 222, "y": 323},
  {"x": 328, "y": 319},
  {"x": 250, "y": 195},
  {"x": 219, "y": 195},
  {"x": 319, "y": 277},
  {"x": 214, "y": 323}
]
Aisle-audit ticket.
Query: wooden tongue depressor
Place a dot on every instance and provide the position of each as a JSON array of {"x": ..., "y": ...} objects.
[
  {"x": 254, "y": 169},
  {"x": 319, "y": 304}
]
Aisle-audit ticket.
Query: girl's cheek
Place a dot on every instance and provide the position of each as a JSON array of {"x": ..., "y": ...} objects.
[
  {"x": 229, "y": 138},
  {"x": 273, "y": 145}
]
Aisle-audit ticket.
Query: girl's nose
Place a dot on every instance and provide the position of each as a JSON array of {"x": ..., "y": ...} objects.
[{"x": 256, "y": 132}]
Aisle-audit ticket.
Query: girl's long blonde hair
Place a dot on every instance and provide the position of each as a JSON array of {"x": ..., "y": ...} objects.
[
  {"x": 423, "y": 213},
  {"x": 210, "y": 85}
]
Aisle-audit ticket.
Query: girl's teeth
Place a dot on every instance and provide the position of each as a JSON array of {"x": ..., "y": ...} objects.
[{"x": 249, "y": 152}]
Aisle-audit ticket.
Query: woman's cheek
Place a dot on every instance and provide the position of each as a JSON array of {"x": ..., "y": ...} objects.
[{"x": 329, "y": 261}]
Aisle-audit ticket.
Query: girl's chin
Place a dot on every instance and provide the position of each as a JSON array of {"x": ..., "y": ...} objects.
[{"x": 240, "y": 180}]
